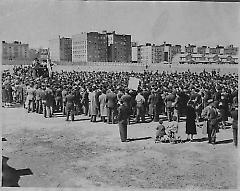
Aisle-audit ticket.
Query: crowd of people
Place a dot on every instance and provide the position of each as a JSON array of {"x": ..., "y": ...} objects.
[{"x": 206, "y": 96}]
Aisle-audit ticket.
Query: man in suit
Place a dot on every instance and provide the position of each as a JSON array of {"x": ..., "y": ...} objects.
[
  {"x": 234, "y": 115},
  {"x": 64, "y": 94},
  {"x": 70, "y": 105},
  {"x": 103, "y": 105},
  {"x": 123, "y": 116},
  {"x": 140, "y": 107},
  {"x": 49, "y": 100},
  {"x": 93, "y": 104},
  {"x": 31, "y": 98},
  {"x": 39, "y": 92},
  {"x": 85, "y": 101},
  {"x": 127, "y": 99},
  {"x": 58, "y": 98},
  {"x": 111, "y": 100},
  {"x": 213, "y": 119}
]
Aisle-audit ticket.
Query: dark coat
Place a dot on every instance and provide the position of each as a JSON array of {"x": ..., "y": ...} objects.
[
  {"x": 190, "y": 121},
  {"x": 70, "y": 99},
  {"x": 111, "y": 100},
  {"x": 127, "y": 99},
  {"x": 123, "y": 114}
]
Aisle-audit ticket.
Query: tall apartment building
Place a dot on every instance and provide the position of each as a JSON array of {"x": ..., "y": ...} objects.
[
  {"x": 191, "y": 49},
  {"x": 119, "y": 47},
  {"x": 135, "y": 53},
  {"x": 174, "y": 50},
  {"x": 147, "y": 54},
  {"x": 60, "y": 49},
  {"x": 15, "y": 51},
  {"x": 202, "y": 50},
  {"x": 89, "y": 47},
  {"x": 231, "y": 50},
  {"x": 159, "y": 54},
  {"x": 151, "y": 53}
]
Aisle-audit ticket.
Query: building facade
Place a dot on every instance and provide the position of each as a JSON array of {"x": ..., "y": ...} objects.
[
  {"x": 147, "y": 54},
  {"x": 231, "y": 50},
  {"x": 60, "y": 49},
  {"x": 15, "y": 51},
  {"x": 119, "y": 47},
  {"x": 89, "y": 47}
]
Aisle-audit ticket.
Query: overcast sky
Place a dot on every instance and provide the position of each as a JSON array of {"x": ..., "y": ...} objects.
[{"x": 200, "y": 23}]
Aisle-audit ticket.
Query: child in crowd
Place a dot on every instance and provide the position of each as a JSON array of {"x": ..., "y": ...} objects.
[
  {"x": 172, "y": 131},
  {"x": 160, "y": 132}
]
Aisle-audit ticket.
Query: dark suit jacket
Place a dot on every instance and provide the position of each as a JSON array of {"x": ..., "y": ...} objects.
[{"x": 111, "y": 100}]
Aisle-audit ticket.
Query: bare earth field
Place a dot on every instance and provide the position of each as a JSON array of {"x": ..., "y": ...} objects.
[{"x": 90, "y": 156}]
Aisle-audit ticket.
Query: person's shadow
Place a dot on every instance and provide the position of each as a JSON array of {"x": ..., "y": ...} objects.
[
  {"x": 11, "y": 176},
  {"x": 138, "y": 139}
]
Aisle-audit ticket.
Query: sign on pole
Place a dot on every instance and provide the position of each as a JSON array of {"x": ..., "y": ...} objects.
[{"x": 133, "y": 83}]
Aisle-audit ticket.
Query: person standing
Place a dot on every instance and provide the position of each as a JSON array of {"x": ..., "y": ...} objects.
[
  {"x": 123, "y": 116},
  {"x": 213, "y": 122},
  {"x": 85, "y": 101},
  {"x": 93, "y": 104},
  {"x": 70, "y": 105},
  {"x": 151, "y": 105},
  {"x": 58, "y": 99},
  {"x": 30, "y": 98},
  {"x": 190, "y": 121},
  {"x": 39, "y": 93},
  {"x": 127, "y": 99},
  {"x": 111, "y": 100},
  {"x": 234, "y": 115},
  {"x": 49, "y": 100},
  {"x": 64, "y": 94},
  {"x": 103, "y": 105},
  {"x": 140, "y": 107},
  {"x": 169, "y": 105}
]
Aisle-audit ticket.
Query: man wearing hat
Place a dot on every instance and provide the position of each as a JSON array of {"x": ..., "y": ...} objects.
[
  {"x": 70, "y": 98},
  {"x": 140, "y": 106},
  {"x": 111, "y": 100},
  {"x": 123, "y": 116},
  {"x": 213, "y": 120}
]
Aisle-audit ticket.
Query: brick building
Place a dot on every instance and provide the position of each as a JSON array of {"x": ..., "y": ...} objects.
[
  {"x": 89, "y": 47},
  {"x": 231, "y": 50},
  {"x": 119, "y": 47},
  {"x": 60, "y": 49},
  {"x": 15, "y": 51}
]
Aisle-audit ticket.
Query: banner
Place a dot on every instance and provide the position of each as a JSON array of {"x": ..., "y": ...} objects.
[{"x": 133, "y": 83}]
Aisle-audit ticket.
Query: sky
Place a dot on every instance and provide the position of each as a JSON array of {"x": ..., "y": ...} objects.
[{"x": 200, "y": 23}]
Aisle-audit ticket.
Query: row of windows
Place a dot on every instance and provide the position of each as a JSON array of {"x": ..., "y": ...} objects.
[
  {"x": 79, "y": 47},
  {"x": 80, "y": 42},
  {"x": 77, "y": 52},
  {"x": 79, "y": 56}
]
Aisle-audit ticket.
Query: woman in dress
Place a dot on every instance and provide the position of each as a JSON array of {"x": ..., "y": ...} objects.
[{"x": 190, "y": 121}]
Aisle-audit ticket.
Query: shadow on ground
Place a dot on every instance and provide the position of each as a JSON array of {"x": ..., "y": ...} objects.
[
  {"x": 11, "y": 176},
  {"x": 138, "y": 139},
  {"x": 224, "y": 141}
]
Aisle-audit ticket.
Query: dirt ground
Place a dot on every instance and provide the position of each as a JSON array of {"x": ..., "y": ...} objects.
[{"x": 56, "y": 153}]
